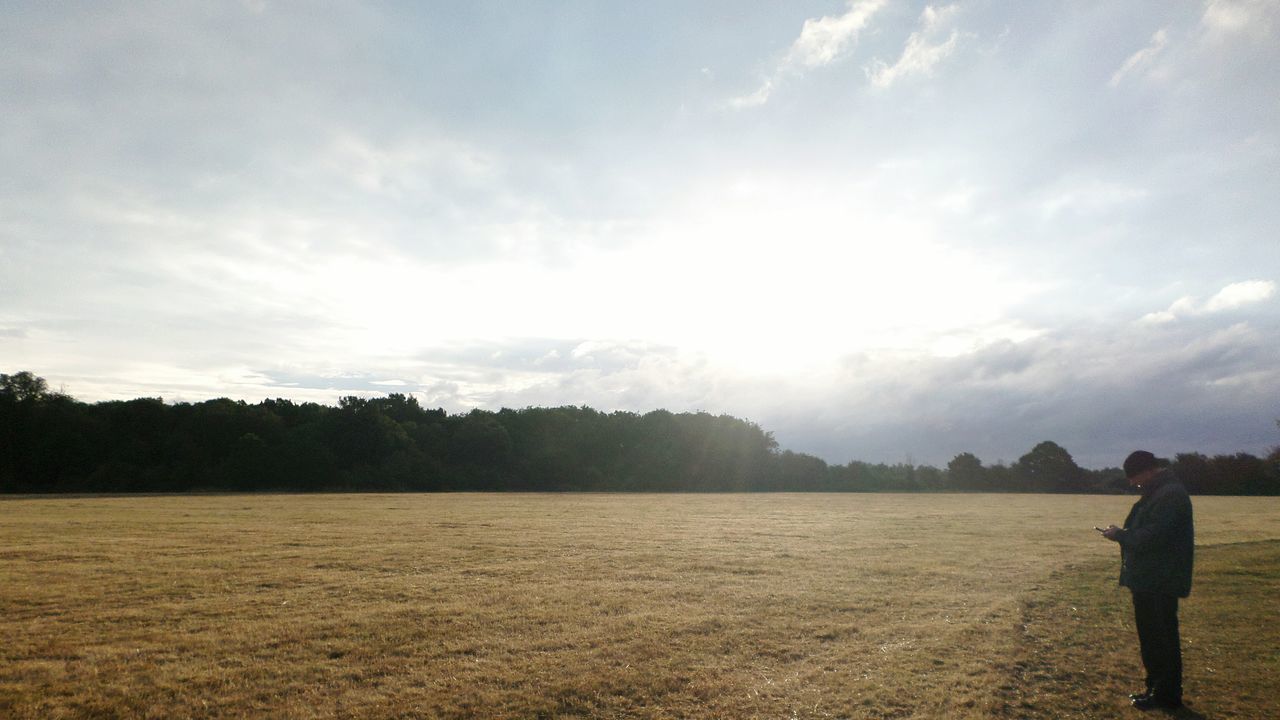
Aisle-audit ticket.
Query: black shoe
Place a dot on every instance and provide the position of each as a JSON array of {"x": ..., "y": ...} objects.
[
  {"x": 1139, "y": 695},
  {"x": 1151, "y": 702}
]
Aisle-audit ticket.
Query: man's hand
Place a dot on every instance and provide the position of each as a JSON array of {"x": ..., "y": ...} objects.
[{"x": 1113, "y": 533}]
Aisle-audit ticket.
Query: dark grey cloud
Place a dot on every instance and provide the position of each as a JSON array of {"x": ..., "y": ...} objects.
[{"x": 1204, "y": 386}]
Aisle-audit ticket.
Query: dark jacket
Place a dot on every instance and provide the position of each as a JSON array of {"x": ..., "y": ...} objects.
[{"x": 1158, "y": 544}]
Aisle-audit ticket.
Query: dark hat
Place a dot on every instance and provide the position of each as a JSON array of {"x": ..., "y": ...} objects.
[{"x": 1139, "y": 461}]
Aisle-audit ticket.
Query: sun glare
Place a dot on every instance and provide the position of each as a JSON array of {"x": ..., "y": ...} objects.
[
  {"x": 788, "y": 284},
  {"x": 762, "y": 282}
]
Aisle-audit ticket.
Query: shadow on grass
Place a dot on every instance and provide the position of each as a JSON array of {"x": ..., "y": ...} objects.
[{"x": 1186, "y": 713}]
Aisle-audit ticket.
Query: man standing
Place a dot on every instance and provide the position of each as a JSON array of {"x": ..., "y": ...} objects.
[{"x": 1157, "y": 544}]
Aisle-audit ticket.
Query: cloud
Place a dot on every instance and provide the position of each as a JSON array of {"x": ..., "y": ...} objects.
[
  {"x": 1224, "y": 19},
  {"x": 755, "y": 99},
  {"x": 1240, "y": 294},
  {"x": 1221, "y": 27},
  {"x": 1092, "y": 196},
  {"x": 1097, "y": 390},
  {"x": 214, "y": 202},
  {"x": 1142, "y": 60},
  {"x": 411, "y": 167},
  {"x": 925, "y": 48},
  {"x": 1208, "y": 51},
  {"x": 822, "y": 41},
  {"x": 1231, "y": 297}
]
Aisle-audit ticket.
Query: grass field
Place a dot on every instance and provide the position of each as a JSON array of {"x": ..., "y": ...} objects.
[{"x": 603, "y": 606}]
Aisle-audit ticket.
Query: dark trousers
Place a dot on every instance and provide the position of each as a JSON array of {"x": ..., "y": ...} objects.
[{"x": 1156, "y": 616}]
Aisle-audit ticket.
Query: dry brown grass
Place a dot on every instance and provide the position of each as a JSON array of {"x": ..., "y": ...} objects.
[{"x": 602, "y": 606}]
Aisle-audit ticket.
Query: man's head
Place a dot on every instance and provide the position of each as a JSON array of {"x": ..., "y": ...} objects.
[{"x": 1140, "y": 467}]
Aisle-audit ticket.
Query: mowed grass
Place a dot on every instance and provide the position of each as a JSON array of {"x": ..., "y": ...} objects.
[{"x": 612, "y": 606}]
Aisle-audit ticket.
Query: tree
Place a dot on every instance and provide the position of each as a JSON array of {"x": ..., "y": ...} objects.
[
  {"x": 930, "y": 478},
  {"x": 480, "y": 449},
  {"x": 1273, "y": 469},
  {"x": 965, "y": 472},
  {"x": 1242, "y": 474},
  {"x": 1196, "y": 472},
  {"x": 1048, "y": 468},
  {"x": 23, "y": 387},
  {"x": 49, "y": 442},
  {"x": 798, "y": 471}
]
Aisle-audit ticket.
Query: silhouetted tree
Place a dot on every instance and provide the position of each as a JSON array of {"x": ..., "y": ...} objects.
[
  {"x": 1196, "y": 472},
  {"x": 480, "y": 451},
  {"x": 1048, "y": 468},
  {"x": 930, "y": 478},
  {"x": 1241, "y": 474},
  {"x": 965, "y": 472},
  {"x": 49, "y": 442},
  {"x": 1001, "y": 478},
  {"x": 25, "y": 387},
  {"x": 797, "y": 471}
]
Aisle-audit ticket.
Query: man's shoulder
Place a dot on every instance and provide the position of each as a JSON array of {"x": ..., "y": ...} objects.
[{"x": 1170, "y": 487}]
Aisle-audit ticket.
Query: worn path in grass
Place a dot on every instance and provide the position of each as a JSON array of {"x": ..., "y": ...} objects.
[{"x": 645, "y": 606}]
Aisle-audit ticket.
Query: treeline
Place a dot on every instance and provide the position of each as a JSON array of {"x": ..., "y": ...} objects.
[{"x": 52, "y": 443}]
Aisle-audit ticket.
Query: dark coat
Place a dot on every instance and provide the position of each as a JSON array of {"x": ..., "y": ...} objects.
[{"x": 1158, "y": 544}]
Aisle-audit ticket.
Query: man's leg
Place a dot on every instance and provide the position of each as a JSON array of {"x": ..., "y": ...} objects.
[
  {"x": 1170, "y": 685},
  {"x": 1145, "y": 619},
  {"x": 1157, "y": 619}
]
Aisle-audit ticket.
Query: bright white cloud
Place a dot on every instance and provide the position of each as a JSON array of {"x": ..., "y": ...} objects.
[
  {"x": 1231, "y": 297},
  {"x": 1181, "y": 307},
  {"x": 756, "y": 274},
  {"x": 1241, "y": 294},
  {"x": 1143, "y": 60},
  {"x": 927, "y": 47},
  {"x": 780, "y": 275},
  {"x": 1223, "y": 19},
  {"x": 755, "y": 99},
  {"x": 822, "y": 41}
]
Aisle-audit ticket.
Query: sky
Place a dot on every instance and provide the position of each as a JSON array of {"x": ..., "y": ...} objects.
[{"x": 884, "y": 231}]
